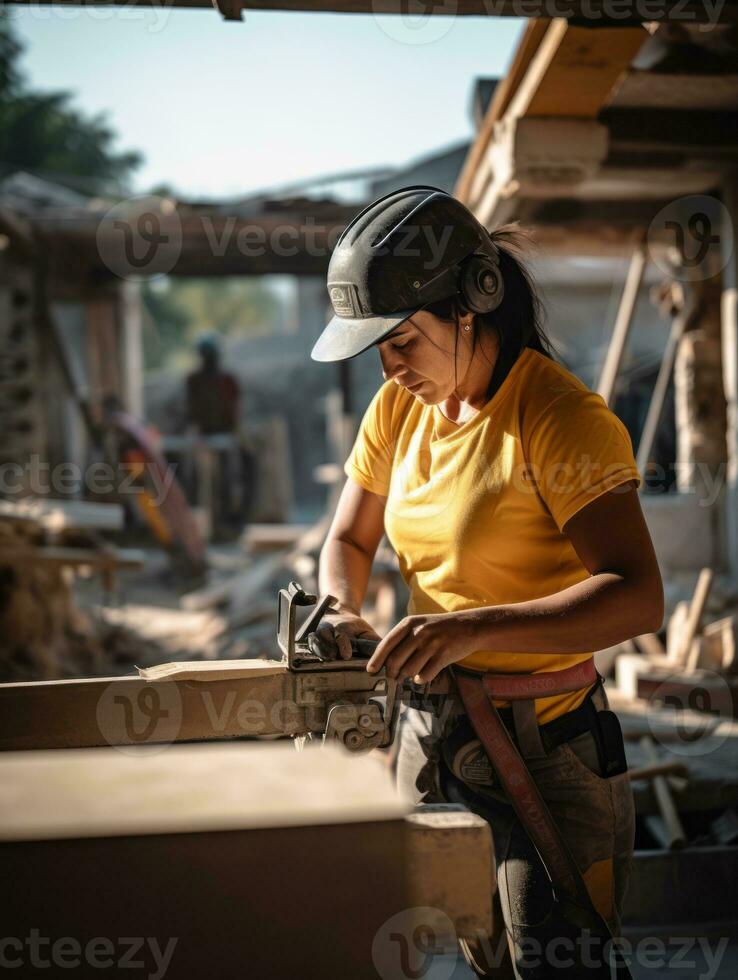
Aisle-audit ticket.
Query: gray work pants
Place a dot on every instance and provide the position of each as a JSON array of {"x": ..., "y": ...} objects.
[{"x": 595, "y": 816}]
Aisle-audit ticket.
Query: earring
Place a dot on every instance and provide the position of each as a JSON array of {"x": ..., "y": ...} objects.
[{"x": 467, "y": 326}]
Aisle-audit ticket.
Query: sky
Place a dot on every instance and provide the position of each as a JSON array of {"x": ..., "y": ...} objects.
[{"x": 225, "y": 108}]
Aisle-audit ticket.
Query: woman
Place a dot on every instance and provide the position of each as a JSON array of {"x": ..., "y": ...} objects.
[{"x": 509, "y": 492}]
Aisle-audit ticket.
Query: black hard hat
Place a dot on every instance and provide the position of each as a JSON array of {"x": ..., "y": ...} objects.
[{"x": 401, "y": 253}]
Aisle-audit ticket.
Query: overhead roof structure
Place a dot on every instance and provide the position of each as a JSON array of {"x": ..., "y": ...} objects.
[
  {"x": 594, "y": 135},
  {"x": 593, "y": 12},
  {"x": 82, "y": 237},
  {"x": 591, "y": 132}
]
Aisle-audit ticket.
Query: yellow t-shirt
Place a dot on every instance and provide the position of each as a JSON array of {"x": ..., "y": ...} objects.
[{"x": 475, "y": 512}]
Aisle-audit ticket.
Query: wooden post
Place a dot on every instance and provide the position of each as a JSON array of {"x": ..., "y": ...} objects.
[
  {"x": 130, "y": 343},
  {"x": 669, "y": 828},
  {"x": 102, "y": 349},
  {"x": 658, "y": 398},
  {"x": 619, "y": 339},
  {"x": 694, "y": 617},
  {"x": 729, "y": 329},
  {"x": 698, "y": 400}
]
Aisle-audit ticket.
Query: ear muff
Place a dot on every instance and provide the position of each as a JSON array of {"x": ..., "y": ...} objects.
[{"x": 481, "y": 286}]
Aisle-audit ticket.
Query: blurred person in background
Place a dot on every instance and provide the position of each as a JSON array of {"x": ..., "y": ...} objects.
[{"x": 221, "y": 478}]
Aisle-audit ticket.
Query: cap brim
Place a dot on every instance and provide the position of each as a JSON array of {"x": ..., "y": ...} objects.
[{"x": 343, "y": 337}]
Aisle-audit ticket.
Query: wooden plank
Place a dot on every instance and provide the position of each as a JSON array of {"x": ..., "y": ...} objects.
[
  {"x": 74, "y": 557},
  {"x": 209, "y": 597},
  {"x": 210, "y": 670},
  {"x": 694, "y": 617},
  {"x": 66, "y": 796},
  {"x": 650, "y": 644},
  {"x": 718, "y": 697},
  {"x": 59, "y": 515},
  {"x": 558, "y": 70},
  {"x": 661, "y": 90},
  {"x": 530, "y": 40},
  {"x": 237, "y": 858},
  {"x": 238, "y": 590},
  {"x": 188, "y": 789},
  {"x": 674, "y": 835},
  {"x": 130, "y": 712},
  {"x": 450, "y": 867},
  {"x": 266, "y": 537},
  {"x": 722, "y": 640},
  {"x": 584, "y": 71}
]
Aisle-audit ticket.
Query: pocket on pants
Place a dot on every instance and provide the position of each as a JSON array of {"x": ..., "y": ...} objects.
[{"x": 581, "y": 753}]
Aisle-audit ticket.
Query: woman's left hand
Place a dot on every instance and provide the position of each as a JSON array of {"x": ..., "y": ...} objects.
[{"x": 421, "y": 646}]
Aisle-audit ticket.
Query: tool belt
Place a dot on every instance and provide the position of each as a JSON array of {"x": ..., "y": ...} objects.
[
  {"x": 506, "y": 754},
  {"x": 464, "y": 754}
]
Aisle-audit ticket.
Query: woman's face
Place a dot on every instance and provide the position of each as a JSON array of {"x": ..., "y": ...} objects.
[{"x": 419, "y": 355}]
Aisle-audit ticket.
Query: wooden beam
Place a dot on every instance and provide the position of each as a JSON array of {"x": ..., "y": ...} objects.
[
  {"x": 86, "y": 793},
  {"x": 129, "y": 711},
  {"x": 74, "y": 557},
  {"x": 561, "y": 72},
  {"x": 670, "y": 130},
  {"x": 533, "y": 34},
  {"x": 59, "y": 515},
  {"x": 729, "y": 331},
  {"x": 228, "y": 855},
  {"x": 595, "y": 12},
  {"x": 657, "y": 90}
]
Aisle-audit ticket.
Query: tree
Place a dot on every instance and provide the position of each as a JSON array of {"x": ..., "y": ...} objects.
[{"x": 41, "y": 131}]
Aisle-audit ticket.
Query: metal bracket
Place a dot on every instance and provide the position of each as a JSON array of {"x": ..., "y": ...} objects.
[
  {"x": 315, "y": 688},
  {"x": 358, "y": 727}
]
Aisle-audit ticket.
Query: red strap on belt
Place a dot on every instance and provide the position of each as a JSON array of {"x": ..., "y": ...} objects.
[
  {"x": 476, "y": 690},
  {"x": 524, "y": 687}
]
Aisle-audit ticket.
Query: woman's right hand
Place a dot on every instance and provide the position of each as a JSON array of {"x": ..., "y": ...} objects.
[{"x": 336, "y": 630}]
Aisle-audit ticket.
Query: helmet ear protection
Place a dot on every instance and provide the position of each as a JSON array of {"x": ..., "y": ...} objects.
[{"x": 481, "y": 286}]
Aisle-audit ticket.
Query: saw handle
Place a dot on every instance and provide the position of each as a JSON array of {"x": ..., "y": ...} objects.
[{"x": 361, "y": 647}]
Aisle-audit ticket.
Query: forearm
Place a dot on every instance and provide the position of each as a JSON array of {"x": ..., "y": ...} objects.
[
  {"x": 599, "y": 612},
  {"x": 344, "y": 572}
]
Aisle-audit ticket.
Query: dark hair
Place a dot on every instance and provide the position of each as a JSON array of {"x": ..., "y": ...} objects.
[{"x": 519, "y": 319}]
